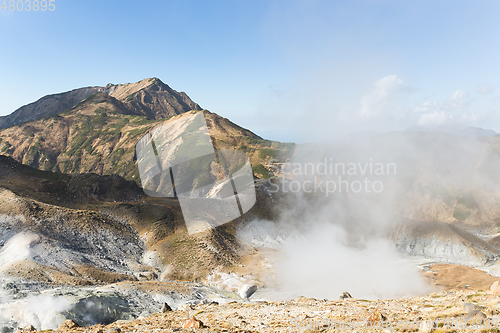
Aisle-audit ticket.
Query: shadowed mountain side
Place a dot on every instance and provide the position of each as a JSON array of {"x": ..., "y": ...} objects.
[{"x": 63, "y": 189}]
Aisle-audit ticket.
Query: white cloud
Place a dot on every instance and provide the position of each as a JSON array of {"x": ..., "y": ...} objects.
[
  {"x": 458, "y": 99},
  {"x": 427, "y": 107},
  {"x": 384, "y": 105},
  {"x": 433, "y": 119},
  {"x": 484, "y": 89},
  {"x": 378, "y": 101},
  {"x": 453, "y": 111}
]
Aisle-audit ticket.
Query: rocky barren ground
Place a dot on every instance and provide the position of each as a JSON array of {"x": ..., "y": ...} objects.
[
  {"x": 79, "y": 266},
  {"x": 449, "y": 311}
]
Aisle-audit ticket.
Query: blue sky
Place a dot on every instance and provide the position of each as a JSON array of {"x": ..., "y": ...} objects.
[{"x": 289, "y": 70}]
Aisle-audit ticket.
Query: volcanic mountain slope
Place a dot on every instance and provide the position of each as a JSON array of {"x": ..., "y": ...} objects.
[
  {"x": 53, "y": 239},
  {"x": 148, "y": 97},
  {"x": 439, "y": 177},
  {"x": 76, "y": 225},
  {"x": 99, "y": 134}
]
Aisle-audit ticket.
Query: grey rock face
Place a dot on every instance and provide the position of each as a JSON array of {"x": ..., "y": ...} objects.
[
  {"x": 88, "y": 306},
  {"x": 165, "y": 308},
  {"x": 469, "y": 307},
  {"x": 345, "y": 295},
  {"x": 476, "y": 314},
  {"x": 443, "y": 242},
  {"x": 247, "y": 290}
]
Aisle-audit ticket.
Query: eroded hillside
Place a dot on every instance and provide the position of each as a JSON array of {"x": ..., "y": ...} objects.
[{"x": 100, "y": 132}]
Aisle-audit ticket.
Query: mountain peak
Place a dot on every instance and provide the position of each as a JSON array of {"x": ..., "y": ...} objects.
[
  {"x": 121, "y": 91},
  {"x": 152, "y": 98},
  {"x": 148, "y": 97}
]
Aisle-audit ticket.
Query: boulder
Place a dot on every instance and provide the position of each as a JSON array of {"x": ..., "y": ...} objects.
[
  {"x": 67, "y": 325},
  {"x": 247, "y": 290},
  {"x": 165, "y": 308},
  {"x": 193, "y": 323},
  {"x": 495, "y": 288},
  {"x": 185, "y": 307},
  {"x": 345, "y": 295},
  {"x": 476, "y": 314},
  {"x": 113, "y": 330},
  {"x": 146, "y": 276},
  {"x": 468, "y": 307},
  {"x": 374, "y": 317}
]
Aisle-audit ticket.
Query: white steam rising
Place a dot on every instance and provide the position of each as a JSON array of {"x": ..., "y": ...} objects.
[
  {"x": 342, "y": 240},
  {"x": 42, "y": 311},
  {"x": 319, "y": 264},
  {"x": 320, "y": 261}
]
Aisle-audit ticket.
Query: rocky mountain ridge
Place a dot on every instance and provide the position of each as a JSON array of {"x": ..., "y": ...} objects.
[
  {"x": 99, "y": 133},
  {"x": 149, "y": 97}
]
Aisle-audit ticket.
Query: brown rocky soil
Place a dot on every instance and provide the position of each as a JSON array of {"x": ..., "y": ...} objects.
[
  {"x": 452, "y": 311},
  {"x": 457, "y": 277}
]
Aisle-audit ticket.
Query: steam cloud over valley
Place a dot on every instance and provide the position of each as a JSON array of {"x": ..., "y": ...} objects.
[{"x": 329, "y": 238}]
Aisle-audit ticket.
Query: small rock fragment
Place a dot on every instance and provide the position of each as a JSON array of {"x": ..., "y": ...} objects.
[
  {"x": 113, "y": 330},
  {"x": 345, "y": 295},
  {"x": 495, "y": 288},
  {"x": 468, "y": 307},
  {"x": 146, "y": 276},
  {"x": 29, "y": 328},
  {"x": 67, "y": 325},
  {"x": 193, "y": 323},
  {"x": 375, "y": 316},
  {"x": 185, "y": 307},
  {"x": 165, "y": 308},
  {"x": 475, "y": 314}
]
